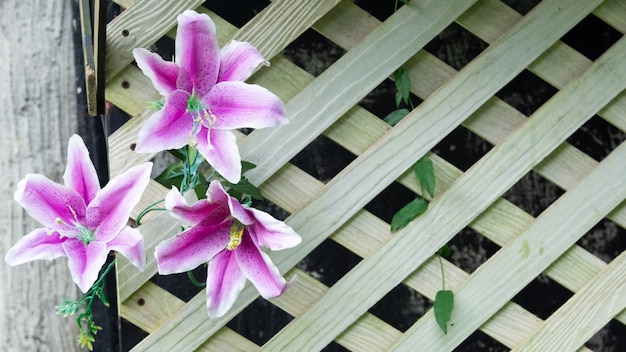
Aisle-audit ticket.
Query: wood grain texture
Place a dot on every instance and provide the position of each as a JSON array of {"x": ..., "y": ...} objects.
[
  {"x": 37, "y": 114},
  {"x": 498, "y": 221}
]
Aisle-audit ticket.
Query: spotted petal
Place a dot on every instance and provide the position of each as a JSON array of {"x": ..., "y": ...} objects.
[
  {"x": 129, "y": 243},
  {"x": 168, "y": 128},
  {"x": 36, "y": 245},
  {"x": 192, "y": 247},
  {"x": 238, "y": 60},
  {"x": 239, "y": 105},
  {"x": 272, "y": 233},
  {"x": 259, "y": 269},
  {"x": 191, "y": 215},
  {"x": 162, "y": 73},
  {"x": 197, "y": 52},
  {"x": 220, "y": 151},
  {"x": 51, "y": 204},
  {"x": 223, "y": 284},
  {"x": 109, "y": 211},
  {"x": 85, "y": 261},
  {"x": 80, "y": 174}
]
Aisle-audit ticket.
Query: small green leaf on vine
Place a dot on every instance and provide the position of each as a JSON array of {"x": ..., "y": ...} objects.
[
  {"x": 408, "y": 213},
  {"x": 444, "y": 302}
]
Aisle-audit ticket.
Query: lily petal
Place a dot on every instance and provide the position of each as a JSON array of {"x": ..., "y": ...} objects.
[
  {"x": 190, "y": 215},
  {"x": 80, "y": 174},
  {"x": 239, "y": 105},
  {"x": 36, "y": 245},
  {"x": 48, "y": 202},
  {"x": 162, "y": 73},
  {"x": 129, "y": 243},
  {"x": 192, "y": 247},
  {"x": 218, "y": 194},
  {"x": 197, "y": 52},
  {"x": 259, "y": 269},
  {"x": 168, "y": 128},
  {"x": 238, "y": 60},
  {"x": 221, "y": 152},
  {"x": 109, "y": 211},
  {"x": 271, "y": 233},
  {"x": 85, "y": 261},
  {"x": 223, "y": 284}
]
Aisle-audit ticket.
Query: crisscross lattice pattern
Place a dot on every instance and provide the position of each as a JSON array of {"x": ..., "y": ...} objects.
[{"x": 327, "y": 105}]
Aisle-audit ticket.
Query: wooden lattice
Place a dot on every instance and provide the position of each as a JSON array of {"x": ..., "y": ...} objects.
[{"x": 327, "y": 104}]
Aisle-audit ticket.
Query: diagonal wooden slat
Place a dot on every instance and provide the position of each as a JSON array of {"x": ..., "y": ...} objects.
[
  {"x": 585, "y": 313},
  {"x": 558, "y": 228},
  {"x": 500, "y": 325},
  {"x": 347, "y": 297},
  {"x": 139, "y": 27},
  {"x": 341, "y": 86}
]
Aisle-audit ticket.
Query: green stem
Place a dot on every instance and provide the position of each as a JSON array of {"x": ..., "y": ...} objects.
[
  {"x": 148, "y": 209},
  {"x": 193, "y": 280},
  {"x": 443, "y": 277}
]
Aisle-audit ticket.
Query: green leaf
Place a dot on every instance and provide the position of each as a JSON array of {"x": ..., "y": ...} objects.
[
  {"x": 403, "y": 84},
  {"x": 405, "y": 1},
  {"x": 172, "y": 175},
  {"x": 408, "y": 213},
  {"x": 425, "y": 173},
  {"x": 444, "y": 251},
  {"x": 246, "y": 166},
  {"x": 395, "y": 116},
  {"x": 444, "y": 302}
]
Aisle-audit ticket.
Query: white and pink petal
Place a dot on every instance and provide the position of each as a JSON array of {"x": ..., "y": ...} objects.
[
  {"x": 197, "y": 53},
  {"x": 272, "y": 233},
  {"x": 190, "y": 215},
  {"x": 168, "y": 128},
  {"x": 238, "y": 60},
  {"x": 191, "y": 248},
  {"x": 85, "y": 261},
  {"x": 224, "y": 283},
  {"x": 259, "y": 269},
  {"x": 53, "y": 205},
  {"x": 240, "y": 105},
  {"x": 220, "y": 150},
  {"x": 108, "y": 213},
  {"x": 129, "y": 243},
  {"x": 163, "y": 74},
  {"x": 36, "y": 245},
  {"x": 80, "y": 174}
]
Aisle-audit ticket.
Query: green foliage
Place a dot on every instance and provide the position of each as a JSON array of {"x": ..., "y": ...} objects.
[
  {"x": 403, "y": 86},
  {"x": 395, "y": 116},
  {"x": 444, "y": 302},
  {"x": 408, "y": 213},
  {"x": 425, "y": 173},
  {"x": 444, "y": 251}
]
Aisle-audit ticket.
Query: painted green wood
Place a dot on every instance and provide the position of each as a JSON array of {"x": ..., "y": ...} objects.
[
  {"x": 139, "y": 27},
  {"x": 588, "y": 311},
  {"x": 529, "y": 38},
  {"x": 343, "y": 84},
  {"x": 517, "y": 264}
]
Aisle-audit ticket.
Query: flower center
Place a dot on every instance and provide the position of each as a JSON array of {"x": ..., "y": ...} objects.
[
  {"x": 201, "y": 115},
  {"x": 236, "y": 233},
  {"x": 76, "y": 230}
]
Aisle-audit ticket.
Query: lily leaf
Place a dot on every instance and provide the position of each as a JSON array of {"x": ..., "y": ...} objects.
[
  {"x": 408, "y": 213},
  {"x": 425, "y": 173},
  {"x": 444, "y": 302},
  {"x": 403, "y": 85},
  {"x": 395, "y": 116}
]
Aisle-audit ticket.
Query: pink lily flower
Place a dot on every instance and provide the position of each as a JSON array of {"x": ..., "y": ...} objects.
[
  {"x": 81, "y": 221},
  {"x": 228, "y": 235},
  {"x": 205, "y": 96}
]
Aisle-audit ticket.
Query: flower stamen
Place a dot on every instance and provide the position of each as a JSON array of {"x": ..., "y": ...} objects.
[{"x": 236, "y": 233}]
